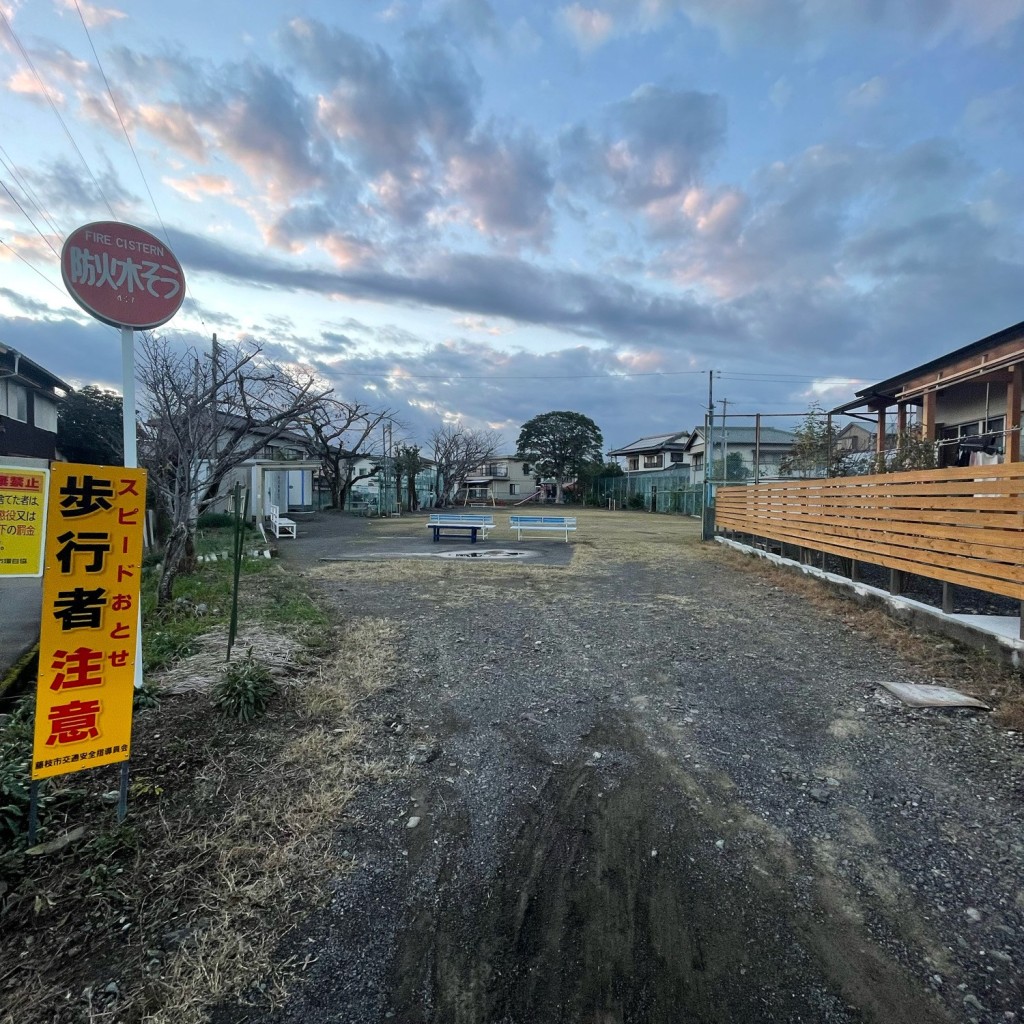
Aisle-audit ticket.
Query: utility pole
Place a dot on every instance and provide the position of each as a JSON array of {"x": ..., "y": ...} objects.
[
  {"x": 708, "y": 518},
  {"x": 725, "y": 441}
]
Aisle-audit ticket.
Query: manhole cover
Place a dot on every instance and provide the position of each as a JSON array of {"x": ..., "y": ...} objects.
[{"x": 490, "y": 554}]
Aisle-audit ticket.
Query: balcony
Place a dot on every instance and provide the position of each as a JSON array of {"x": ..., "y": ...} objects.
[{"x": 490, "y": 472}]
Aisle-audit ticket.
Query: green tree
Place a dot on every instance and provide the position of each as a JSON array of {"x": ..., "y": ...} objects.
[
  {"x": 408, "y": 463},
  {"x": 735, "y": 470},
  {"x": 560, "y": 445},
  {"x": 815, "y": 451},
  {"x": 89, "y": 427}
]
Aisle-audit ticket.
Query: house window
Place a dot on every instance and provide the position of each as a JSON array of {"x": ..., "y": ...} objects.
[
  {"x": 652, "y": 461},
  {"x": 44, "y": 413},
  {"x": 14, "y": 402},
  {"x": 949, "y": 438},
  {"x": 676, "y": 457},
  {"x": 513, "y": 488},
  {"x": 634, "y": 462}
]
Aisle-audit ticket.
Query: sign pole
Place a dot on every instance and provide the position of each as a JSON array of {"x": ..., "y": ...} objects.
[{"x": 131, "y": 453}]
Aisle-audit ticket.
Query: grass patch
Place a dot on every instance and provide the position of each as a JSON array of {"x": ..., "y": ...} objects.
[{"x": 228, "y": 845}]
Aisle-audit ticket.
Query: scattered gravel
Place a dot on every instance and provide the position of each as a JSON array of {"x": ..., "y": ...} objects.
[{"x": 663, "y": 792}]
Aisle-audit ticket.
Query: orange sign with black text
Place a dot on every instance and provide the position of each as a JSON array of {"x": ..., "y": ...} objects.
[{"x": 90, "y": 620}]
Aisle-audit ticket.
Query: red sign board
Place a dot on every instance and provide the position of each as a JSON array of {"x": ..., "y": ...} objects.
[{"x": 122, "y": 275}]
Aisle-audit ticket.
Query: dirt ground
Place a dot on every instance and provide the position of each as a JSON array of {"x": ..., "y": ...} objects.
[
  {"x": 635, "y": 778},
  {"x": 660, "y": 784}
]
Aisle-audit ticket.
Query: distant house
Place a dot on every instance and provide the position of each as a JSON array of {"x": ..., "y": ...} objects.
[
  {"x": 503, "y": 480},
  {"x": 279, "y": 473},
  {"x": 653, "y": 453},
  {"x": 759, "y": 451},
  {"x": 855, "y": 438},
  {"x": 29, "y": 396},
  {"x": 974, "y": 392},
  {"x": 372, "y": 475}
]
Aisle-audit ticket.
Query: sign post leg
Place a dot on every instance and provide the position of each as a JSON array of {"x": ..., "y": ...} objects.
[
  {"x": 33, "y": 812},
  {"x": 122, "y": 796}
]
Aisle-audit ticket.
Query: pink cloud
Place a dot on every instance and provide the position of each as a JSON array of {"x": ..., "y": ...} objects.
[
  {"x": 95, "y": 17},
  {"x": 590, "y": 28},
  {"x": 198, "y": 186}
]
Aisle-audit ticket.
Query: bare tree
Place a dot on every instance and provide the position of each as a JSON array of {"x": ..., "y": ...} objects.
[
  {"x": 340, "y": 434},
  {"x": 202, "y": 417},
  {"x": 455, "y": 451}
]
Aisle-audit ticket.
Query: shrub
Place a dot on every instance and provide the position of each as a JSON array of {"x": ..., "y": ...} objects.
[
  {"x": 146, "y": 697},
  {"x": 636, "y": 501},
  {"x": 215, "y": 521},
  {"x": 15, "y": 779},
  {"x": 245, "y": 689}
]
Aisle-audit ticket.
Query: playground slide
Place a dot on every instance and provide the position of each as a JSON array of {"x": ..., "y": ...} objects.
[{"x": 536, "y": 494}]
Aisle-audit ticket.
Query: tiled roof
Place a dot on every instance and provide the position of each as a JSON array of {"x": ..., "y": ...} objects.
[
  {"x": 654, "y": 442},
  {"x": 745, "y": 435}
]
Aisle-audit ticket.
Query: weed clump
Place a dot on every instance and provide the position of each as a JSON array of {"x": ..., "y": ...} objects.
[
  {"x": 15, "y": 778},
  {"x": 245, "y": 690}
]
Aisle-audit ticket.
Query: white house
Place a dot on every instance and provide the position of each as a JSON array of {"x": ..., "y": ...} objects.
[
  {"x": 760, "y": 450},
  {"x": 504, "y": 480},
  {"x": 653, "y": 453}
]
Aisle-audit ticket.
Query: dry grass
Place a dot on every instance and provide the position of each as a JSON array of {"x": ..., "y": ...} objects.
[
  {"x": 227, "y": 866},
  {"x": 603, "y": 539}
]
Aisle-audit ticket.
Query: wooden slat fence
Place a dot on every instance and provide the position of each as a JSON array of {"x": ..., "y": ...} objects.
[{"x": 959, "y": 525}]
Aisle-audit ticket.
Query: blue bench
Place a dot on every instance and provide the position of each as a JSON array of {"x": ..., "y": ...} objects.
[
  {"x": 560, "y": 524},
  {"x": 451, "y": 522}
]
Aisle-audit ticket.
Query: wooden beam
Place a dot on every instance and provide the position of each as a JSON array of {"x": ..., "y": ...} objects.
[
  {"x": 901, "y": 417},
  {"x": 1013, "y": 400},
  {"x": 928, "y": 417}
]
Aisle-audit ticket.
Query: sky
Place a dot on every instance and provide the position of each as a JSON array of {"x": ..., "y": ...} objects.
[{"x": 477, "y": 212}]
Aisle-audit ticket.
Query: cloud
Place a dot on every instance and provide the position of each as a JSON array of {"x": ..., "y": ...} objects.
[
  {"x": 472, "y": 18},
  {"x": 505, "y": 186},
  {"x": 584, "y": 304},
  {"x": 381, "y": 111},
  {"x": 781, "y": 93},
  {"x": 94, "y": 16},
  {"x": 199, "y": 187},
  {"x": 25, "y": 304},
  {"x": 170, "y": 123},
  {"x": 655, "y": 143},
  {"x": 868, "y": 94},
  {"x": 589, "y": 27},
  {"x": 810, "y": 23}
]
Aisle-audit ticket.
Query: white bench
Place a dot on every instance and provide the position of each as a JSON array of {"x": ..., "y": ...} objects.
[
  {"x": 281, "y": 525},
  {"x": 559, "y": 523},
  {"x": 459, "y": 523}
]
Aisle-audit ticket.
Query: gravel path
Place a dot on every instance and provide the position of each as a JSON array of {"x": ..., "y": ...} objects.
[{"x": 662, "y": 791}]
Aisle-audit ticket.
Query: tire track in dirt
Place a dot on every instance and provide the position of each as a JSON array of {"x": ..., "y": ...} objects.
[{"x": 615, "y": 904}]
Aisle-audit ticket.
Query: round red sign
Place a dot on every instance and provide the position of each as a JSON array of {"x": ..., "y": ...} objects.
[{"x": 122, "y": 275}]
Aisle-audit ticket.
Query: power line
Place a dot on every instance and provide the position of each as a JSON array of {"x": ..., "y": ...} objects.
[
  {"x": 544, "y": 376},
  {"x": 128, "y": 139},
  {"x": 56, "y": 112},
  {"x": 779, "y": 378},
  {"x": 12, "y": 170},
  {"x": 28, "y": 217},
  {"x": 33, "y": 268},
  {"x": 120, "y": 119}
]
